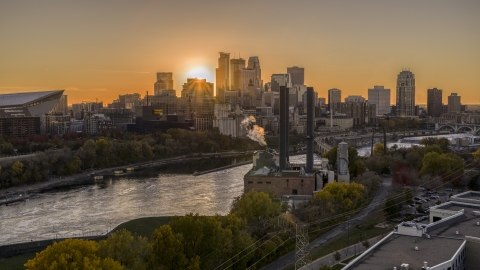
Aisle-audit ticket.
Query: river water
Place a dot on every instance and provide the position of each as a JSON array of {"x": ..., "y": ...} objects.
[
  {"x": 409, "y": 141},
  {"x": 96, "y": 208}
]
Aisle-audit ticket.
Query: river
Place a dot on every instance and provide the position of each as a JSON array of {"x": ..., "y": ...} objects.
[
  {"x": 409, "y": 141},
  {"x": 97, "y": 208}
]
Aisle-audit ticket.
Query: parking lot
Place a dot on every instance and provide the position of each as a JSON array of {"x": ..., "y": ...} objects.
[{"x": 425, "y": 198}]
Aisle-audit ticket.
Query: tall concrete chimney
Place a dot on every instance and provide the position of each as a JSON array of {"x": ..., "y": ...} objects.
[
  {"x": 283, "y": 127},
  {"x": 310, "y": 117}
]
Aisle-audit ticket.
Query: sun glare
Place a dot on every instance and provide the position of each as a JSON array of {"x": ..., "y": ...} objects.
[{"x": 200, "y": 73}]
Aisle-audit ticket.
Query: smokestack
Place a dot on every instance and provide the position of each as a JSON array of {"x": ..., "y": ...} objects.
[
  {"x": 283, "y": 127},
  {"x": 310, "y": 112}
]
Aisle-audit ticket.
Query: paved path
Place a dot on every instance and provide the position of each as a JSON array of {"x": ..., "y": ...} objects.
[{"x": 290, "y": 257}]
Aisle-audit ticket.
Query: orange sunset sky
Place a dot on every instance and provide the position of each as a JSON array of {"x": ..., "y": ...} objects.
[{"x": 100, "y": 49}]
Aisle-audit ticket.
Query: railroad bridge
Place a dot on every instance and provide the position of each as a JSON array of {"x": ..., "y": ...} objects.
[{"x": 457, "y": 128}]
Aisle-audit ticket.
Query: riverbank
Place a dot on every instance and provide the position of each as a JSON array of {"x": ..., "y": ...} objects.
[{"x": 20, "y": 193}]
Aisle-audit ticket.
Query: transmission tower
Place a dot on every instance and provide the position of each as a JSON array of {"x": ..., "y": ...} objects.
[
  {"x": 302, "y": 254},
  {"x": 293, "y": 226}
]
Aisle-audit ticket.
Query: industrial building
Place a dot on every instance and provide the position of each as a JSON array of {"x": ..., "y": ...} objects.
[
  {"x": 450, "y": 241},
  {"x": 272, "y": 172}
]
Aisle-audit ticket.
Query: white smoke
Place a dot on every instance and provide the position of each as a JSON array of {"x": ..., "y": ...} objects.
[{"x": 254, "y": 132}]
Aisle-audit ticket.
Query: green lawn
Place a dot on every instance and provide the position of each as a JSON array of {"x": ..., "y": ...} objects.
[
  {"x": 17, "y": 262},
  {"x": 141, "y": 226},
  {"x": 144, "y": 226}
]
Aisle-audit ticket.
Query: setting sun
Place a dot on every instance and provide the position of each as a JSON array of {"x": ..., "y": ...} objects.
[{"x": 200, "y": 73}]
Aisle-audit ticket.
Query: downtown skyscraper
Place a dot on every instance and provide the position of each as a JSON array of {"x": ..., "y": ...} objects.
[
  {"x": 379, "y": 96},
  {"x": 405, "y": 105},
  {"x": 297, "y": 74},
  {"x": 434, "y": 102},
  {"x": 222, "y": 73}
]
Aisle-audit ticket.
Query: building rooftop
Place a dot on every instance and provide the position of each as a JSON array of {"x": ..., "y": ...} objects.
[
  {"x": 400, "y": 249},
  {"x": 18, "y": 99}
]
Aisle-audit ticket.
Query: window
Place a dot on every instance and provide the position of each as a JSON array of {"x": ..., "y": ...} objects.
[
  {"x": 294, "y": 192},
  {"x": 259, "y": 182},
  {"x": 269, "y": 182},
  {"x": 250, "y": 182}
]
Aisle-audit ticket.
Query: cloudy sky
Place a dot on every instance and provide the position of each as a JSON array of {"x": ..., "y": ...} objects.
[{"x": 103, "y": 48}]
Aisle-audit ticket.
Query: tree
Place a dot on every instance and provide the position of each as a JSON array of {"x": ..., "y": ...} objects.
[
  {"x": 337, "y": 256},
  {"x": 366, "y": 244},
  {"x": 167, "y": 249},
  {"x": 325, "y": 267},
  {"x": 87, "y": 154},
  {"x": 71, "y": 254},
  {"x": 447, "y": 166},
  {"x": 378, "y": 149},
  {"x": 342, "y": 195},
  {"x": 357, "y": 167},
  {"x": 474, "y": 183},
  {"x": 123, "y": 247},
  {"x": 256, "y": 205},
  {"x": 476, "y": 155},
  {"x": 201, "y": 235},
  {"x": 407, "y": 195},
  {"x": 391, "y": 207},
  {"x": 443, "y": 143}
]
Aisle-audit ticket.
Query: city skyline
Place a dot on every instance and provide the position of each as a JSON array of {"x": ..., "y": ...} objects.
[{"x": 100, "y": 50}]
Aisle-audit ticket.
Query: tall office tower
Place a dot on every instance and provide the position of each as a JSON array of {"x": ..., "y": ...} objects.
[
  {"x": 405, "y": 105},
  {"x": 334, "y": 99},
  {"x": 164, "y": 82},
  {"x": 297, "y": 74},
  {"x": 434, "y": 102},
  {"x": 222, "y": 74},
  {"x": 254, "y": 64},
  {"x": 247, "y": 87},
  {"x": 236, "y": 67},
  {"x": 380, "y": 96},
  {"x": 454, "y": 104},
  {"x": 278, "y": 80}
]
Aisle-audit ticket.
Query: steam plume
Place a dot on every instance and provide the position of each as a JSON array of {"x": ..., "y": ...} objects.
[{"x": 255, "y": 133}]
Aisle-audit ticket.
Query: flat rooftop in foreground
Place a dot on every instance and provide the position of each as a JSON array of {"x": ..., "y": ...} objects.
[{"x": 400, "y": 249}]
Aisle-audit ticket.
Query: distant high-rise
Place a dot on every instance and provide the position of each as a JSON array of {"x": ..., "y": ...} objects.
[
  {"x": 164, "y": 82},
  {"x": 278, "y": 80},
  {"x": 405, "y": 105},
  {"x": 222, "y": 74},
  {"x": 354, "y": 99},
  {"x": 454, "y": 104},
  {"x": 254, "y": 64},
  {"x": 434, "y": 102},
  {"x": 334, "y": 99},
  {"x": 297, "y": 74},
  {"x": 197, "y": 94},
  {"x": 380, "y": 96},
  {"x": 236, "y": 67}
]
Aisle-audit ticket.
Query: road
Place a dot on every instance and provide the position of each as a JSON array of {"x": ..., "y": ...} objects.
[{"x": 290, "y": 257}]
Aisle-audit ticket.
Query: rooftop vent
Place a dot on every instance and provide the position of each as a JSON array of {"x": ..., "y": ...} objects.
[
  {"x": 416, "y": 248},
  {"x": 478, "y": 223},
  {"x": 404, "y": 266},
  {"x": 425, "y": 266},
  {"x": 456, "y": 232},
  {"x": 476, "y": 213}
]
